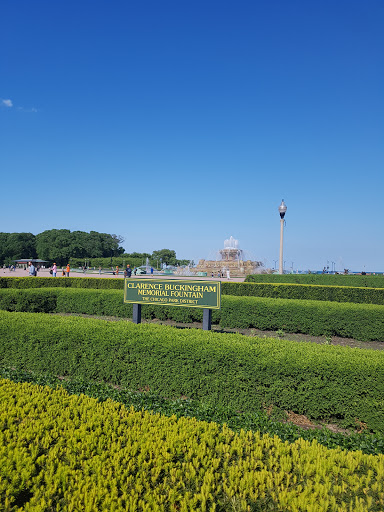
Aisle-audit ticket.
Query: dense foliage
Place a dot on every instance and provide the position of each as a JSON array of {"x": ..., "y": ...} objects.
[
  {"x": 78, "y": 248},
  {"x": 272, "y": 423},
  {"x": 357, "y": 295},
  {"x": 63, "y": 452},
  {"x": 225, "y": 369},
  {"x": 363, "y": 322},
  {"x": 58, "y": 245},
  {"x": 371, "y": 281},
  {"x": 61, "y": 244},
  {"x": 16, "y": 245}
]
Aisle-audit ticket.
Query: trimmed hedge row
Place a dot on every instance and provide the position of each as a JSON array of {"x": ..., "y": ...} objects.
[
  {"x": 321, "y": 279},
  {"x": 257, "y": 421},
  {"x": 358, "y": 295},
  {"x": 62, "y": 452},
  {"x": 118, "y": 283},
  {"x": 363, "y": 322},
  {"x": 306, "y": 291},
  {"x": 225, "y": 369},
  {"x": 62, "y": 282}
]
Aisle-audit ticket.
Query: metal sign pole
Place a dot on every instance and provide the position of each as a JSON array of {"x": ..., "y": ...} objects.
[
  {"x": 207, "y": 319},
  {"x": 136, "y": 313}
]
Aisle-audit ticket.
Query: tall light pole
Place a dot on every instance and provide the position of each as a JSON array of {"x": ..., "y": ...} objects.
[{"x": 282, "y": 210}]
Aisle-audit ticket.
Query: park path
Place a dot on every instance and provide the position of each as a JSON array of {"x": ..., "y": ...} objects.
[{"x": 44, "y": 272}]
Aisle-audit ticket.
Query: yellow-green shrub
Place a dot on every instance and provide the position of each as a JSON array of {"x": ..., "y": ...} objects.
[
  {"x": 62, "y": 452},
  {"x": 320, "y": 381}
]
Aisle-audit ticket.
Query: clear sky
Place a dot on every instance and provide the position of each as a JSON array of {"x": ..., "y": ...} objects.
[{"x": 178, "y": 124}]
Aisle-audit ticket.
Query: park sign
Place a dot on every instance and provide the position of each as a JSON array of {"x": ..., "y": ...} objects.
[{"x": 173, "y": 292}]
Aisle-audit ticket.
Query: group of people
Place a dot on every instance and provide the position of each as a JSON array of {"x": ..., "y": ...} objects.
[
  {"x": 32, "y": 270},
  {"x": 128, "y": 271},
  {"x": 220, "y": 274},
  {"x": 64, "y": 271}
]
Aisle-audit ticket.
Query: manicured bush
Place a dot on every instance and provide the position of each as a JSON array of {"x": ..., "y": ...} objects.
[
  {"x": 62, "y": 282},
  {"x": 62, "y": 452},
  {"x": 257, "y": 421},
  {"x": 371, "y": 281},
  {"x": 363, "y": 322},
  {"x": 303, "y": 291},
  {"x": 228, "y": 370},
  {"x": 362, "y": 295},
  {"x": 360, "y": 321}
]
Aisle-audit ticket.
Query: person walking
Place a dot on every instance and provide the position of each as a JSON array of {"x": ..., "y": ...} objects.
[
  {"x": 128, "y": 271},
  {"x": 31, "y": 268},
  {"x": 117, "y": 270},
  {"x": 54, "y": 270},
  {"x": 67, "y": 270}
]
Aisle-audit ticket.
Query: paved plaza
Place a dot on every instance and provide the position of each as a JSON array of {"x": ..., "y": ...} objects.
[{"x": 44, "y": 272}]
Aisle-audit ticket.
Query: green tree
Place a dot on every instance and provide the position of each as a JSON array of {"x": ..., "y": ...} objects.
[
  {"x": 61, "y": 244},
  {"x": 137, "y": 255},
  {"x": 167, "y": 256},
  {"x": 184, "y": 262},
  {"x": 15, "y": 246},
  {"x": 54, "y": 245}
]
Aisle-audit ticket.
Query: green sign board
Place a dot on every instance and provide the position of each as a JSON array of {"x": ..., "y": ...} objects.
[{"x": 173, "y": 292}]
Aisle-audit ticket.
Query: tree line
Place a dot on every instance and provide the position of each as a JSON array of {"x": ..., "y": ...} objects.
[{"x": 64, "y": 246}]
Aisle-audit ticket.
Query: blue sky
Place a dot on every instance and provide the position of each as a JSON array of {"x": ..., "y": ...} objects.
[{"x": 178, "y": 124}]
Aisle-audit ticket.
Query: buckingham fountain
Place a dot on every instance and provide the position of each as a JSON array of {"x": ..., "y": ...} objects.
[{"x": 231, "y": 258}]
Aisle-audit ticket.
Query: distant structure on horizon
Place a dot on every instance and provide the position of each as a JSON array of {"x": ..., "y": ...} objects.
[{"x": 231, "y": 259}]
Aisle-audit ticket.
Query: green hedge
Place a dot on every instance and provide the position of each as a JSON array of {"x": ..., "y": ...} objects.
[
  {"x": 322, "y": 279},
  {"x": 226, "y": 369},
  {"x": 360, "y": 321},
  {"x": 363, "y": 322},
  {"x": 260, "y": 421},
  {"x": 73, "y": 453},
  {"x": 306, "y": 291},
  {"x": 62, "y": 282},
  {"x": 357, "y": 295}
]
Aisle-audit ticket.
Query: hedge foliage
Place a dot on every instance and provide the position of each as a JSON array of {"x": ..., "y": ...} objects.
[
  {"x": 63, "y": 452},
  {"x": 226, "y": 369},
  {"x": 306, "y": 292},
  {"x": 359, "y": 295},
  {"x": 62, "y": 282},
  {"x": 370, "y": 281},
  {"x": 363, "y": 322},
  {"x": 308, "y": 279},
  {"x": 271, "y": 422}
]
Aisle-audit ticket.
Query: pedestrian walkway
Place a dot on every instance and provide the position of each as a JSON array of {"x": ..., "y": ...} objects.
[{"x": 44, "y": 272}]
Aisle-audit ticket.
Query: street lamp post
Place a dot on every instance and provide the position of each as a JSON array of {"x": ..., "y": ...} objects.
[{"x": 282, "y": 210}]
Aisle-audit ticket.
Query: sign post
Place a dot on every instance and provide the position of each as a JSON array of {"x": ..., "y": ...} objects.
[
  {"x": 173, "y": 292},
  {"x": 207, "y": 319},
  {"x": 136, "y": 314}
]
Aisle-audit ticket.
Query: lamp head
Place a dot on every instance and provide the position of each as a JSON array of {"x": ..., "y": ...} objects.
[{"x": 282, "y": 209}]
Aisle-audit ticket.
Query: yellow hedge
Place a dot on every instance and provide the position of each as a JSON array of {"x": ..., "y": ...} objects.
[{"x": 61, "y": 452}]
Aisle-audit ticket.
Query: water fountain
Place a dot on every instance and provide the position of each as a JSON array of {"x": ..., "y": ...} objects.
[
  {"x": 184, "y": 271},
  {"x": 231, "y": 259}
]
